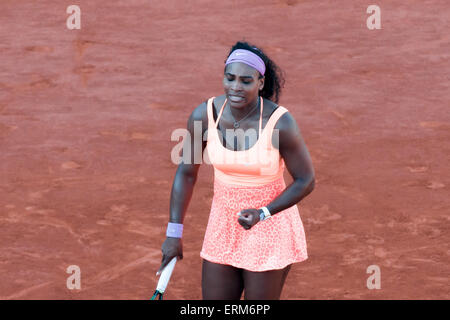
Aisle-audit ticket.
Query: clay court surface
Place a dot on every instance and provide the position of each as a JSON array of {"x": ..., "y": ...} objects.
[{"x": 86, "y": 118}]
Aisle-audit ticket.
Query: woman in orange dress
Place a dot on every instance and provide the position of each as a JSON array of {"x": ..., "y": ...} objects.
[{"x": 254, "y": 232}]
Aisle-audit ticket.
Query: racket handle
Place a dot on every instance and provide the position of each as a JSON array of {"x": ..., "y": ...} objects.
[
  {"x": 158, "y": 295},
  {"x": 165, "y": 275}
]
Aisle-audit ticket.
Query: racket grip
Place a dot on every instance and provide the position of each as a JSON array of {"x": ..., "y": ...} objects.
[
  {"x": 158, "y": 295},
  {"x": 165, "y": 275}
]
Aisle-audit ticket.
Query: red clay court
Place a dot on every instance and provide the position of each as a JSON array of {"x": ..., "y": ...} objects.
[{"x": 86, "y": 118}]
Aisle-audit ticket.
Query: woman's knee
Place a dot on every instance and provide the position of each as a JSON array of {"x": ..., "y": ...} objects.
[
  {"x": 221, "y": 282},
  {"x": 266, "y": 285}
]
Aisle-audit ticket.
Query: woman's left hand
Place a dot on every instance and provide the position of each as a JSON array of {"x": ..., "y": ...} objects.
[{"x": 248, "y": 218}]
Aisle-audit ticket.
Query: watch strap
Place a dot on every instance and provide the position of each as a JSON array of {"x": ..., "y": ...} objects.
[
  {"x": 262, "y": 216},
  {"x": 265, "y": 214}
]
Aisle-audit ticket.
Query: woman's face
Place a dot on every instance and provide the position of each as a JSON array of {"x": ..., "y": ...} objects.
[{"x": 241, "y": 84}]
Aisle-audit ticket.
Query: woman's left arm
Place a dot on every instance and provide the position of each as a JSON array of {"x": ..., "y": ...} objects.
[{"x": 298, "y": 162}]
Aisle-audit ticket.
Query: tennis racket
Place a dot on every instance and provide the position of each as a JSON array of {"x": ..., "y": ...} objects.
[{"x": 164, "y": 280}]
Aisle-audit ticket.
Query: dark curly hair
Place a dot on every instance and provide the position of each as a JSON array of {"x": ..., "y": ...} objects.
[{"x": 274, "y": 81}]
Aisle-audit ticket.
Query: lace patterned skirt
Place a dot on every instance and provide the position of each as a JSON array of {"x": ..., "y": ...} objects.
[{"x": 270, "y": 244}]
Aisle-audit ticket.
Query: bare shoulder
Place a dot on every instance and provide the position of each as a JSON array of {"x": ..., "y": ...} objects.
[
  {"x": 289, "y": 132},
  {"x": 200, "y": 113},
  {"x": 286, "y": 122}
]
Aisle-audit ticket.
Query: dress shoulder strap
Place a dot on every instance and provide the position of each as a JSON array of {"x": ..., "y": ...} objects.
[
  {"x": 211, "y": 120},
  {"x": 209, "y": 109},
  {"x": 270, "y": 125},
  {"x": 276, "y": 115}
]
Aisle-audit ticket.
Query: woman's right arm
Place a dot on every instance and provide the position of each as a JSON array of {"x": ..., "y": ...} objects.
[{"x": 184, "y": 181}]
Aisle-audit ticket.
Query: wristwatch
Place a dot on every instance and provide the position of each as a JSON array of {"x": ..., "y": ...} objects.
[{"x": 265, "y": 214}]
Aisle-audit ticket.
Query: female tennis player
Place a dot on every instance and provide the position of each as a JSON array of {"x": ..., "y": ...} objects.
[{"x": 254, "y": 232}]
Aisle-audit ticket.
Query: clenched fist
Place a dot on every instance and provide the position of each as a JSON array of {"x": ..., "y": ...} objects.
[{"x": 249, "y": 217}]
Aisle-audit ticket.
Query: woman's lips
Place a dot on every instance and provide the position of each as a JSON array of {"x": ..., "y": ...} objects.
[{"x": 236, "y": 98}]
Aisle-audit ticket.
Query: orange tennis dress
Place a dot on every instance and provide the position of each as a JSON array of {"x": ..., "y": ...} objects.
[{"x": 247, "y": 179}]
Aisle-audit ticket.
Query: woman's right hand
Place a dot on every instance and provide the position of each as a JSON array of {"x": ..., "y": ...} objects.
[{"x": 172, "y": 247}]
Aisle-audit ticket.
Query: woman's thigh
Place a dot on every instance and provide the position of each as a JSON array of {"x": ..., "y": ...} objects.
[
  {"x": 265, "y": 285},
  {"x": 221, "y": 282}
]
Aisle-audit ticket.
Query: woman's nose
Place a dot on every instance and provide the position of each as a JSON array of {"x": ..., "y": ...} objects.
[{"x": 236, "y": 86}]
